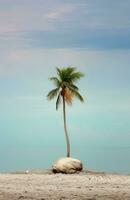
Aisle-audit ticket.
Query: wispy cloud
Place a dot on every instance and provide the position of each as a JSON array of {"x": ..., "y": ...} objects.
[
  {"x": 66, "y": 24},
  {"x": 60, "y": 12}
]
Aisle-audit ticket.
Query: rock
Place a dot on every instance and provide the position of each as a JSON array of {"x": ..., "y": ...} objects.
[{"x": 67, "y": 165}]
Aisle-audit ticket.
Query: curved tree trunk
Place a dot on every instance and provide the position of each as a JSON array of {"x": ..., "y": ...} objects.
[{"x": 65, "y": 128}]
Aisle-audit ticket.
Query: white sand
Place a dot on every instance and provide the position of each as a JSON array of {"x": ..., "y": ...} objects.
[{"x": 47, "y": 186}]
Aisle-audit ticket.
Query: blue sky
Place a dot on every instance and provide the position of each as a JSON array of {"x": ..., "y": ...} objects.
[{"x": 37, "y": 36}]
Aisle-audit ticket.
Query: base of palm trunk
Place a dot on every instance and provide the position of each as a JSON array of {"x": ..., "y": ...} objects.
[{"x": 67, "y": 165}]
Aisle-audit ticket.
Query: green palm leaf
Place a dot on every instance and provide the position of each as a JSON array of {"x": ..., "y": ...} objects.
[
  {"x": 56, "y": 81},
  {"x": 53, "y": 93},
  {"x": 77, "y": 94},
  {"x": 58, "y": 101},
  {"x": 69, "y": 85},
  {"x": 76, "y": 76}
]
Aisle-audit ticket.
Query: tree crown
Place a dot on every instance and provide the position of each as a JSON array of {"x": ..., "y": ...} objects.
[{"x": 65, "y": 85}]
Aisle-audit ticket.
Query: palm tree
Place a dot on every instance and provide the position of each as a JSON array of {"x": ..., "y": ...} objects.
[{"x": 65, "y": 90}]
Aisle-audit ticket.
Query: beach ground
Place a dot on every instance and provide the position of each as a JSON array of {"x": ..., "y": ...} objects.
[{"x": 36, "y": 185}]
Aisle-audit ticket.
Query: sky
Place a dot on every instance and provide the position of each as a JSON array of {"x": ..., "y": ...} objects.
[{"x": 35, "y": 38}]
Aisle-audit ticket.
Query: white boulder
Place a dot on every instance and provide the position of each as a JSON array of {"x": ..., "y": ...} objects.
[{"x": 67, "y": 165}]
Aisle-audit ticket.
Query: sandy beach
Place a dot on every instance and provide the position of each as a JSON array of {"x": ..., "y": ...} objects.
[{"x": 43, "y": 185}]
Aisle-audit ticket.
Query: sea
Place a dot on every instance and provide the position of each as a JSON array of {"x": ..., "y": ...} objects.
[{"x": 98, "y": 159}]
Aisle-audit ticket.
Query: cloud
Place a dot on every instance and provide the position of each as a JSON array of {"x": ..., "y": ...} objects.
[
  {"x": 22, "y": 19},
  {"x": 60, "y": 12},
  {"x": 66, "y": 24}
]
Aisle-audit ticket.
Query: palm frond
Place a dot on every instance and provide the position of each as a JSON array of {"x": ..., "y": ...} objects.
[
  {"x": 69, "y": 74},
  {"x": 58, "y": 71},
  {"x": 53, "y": 93},
  {"x": 76, "y": 76},
  {"x": 56, "y": 81},
  {"x": 69, "y": 70},
  {"x": 77, "y": 95},
  {"x": 61, "y": 73},
  {"x": 65, "y": 73},
  {"x": 58, "y": 101},
  {"x": 70, "y": 85},
  {"x": 74, "y": 86}
]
